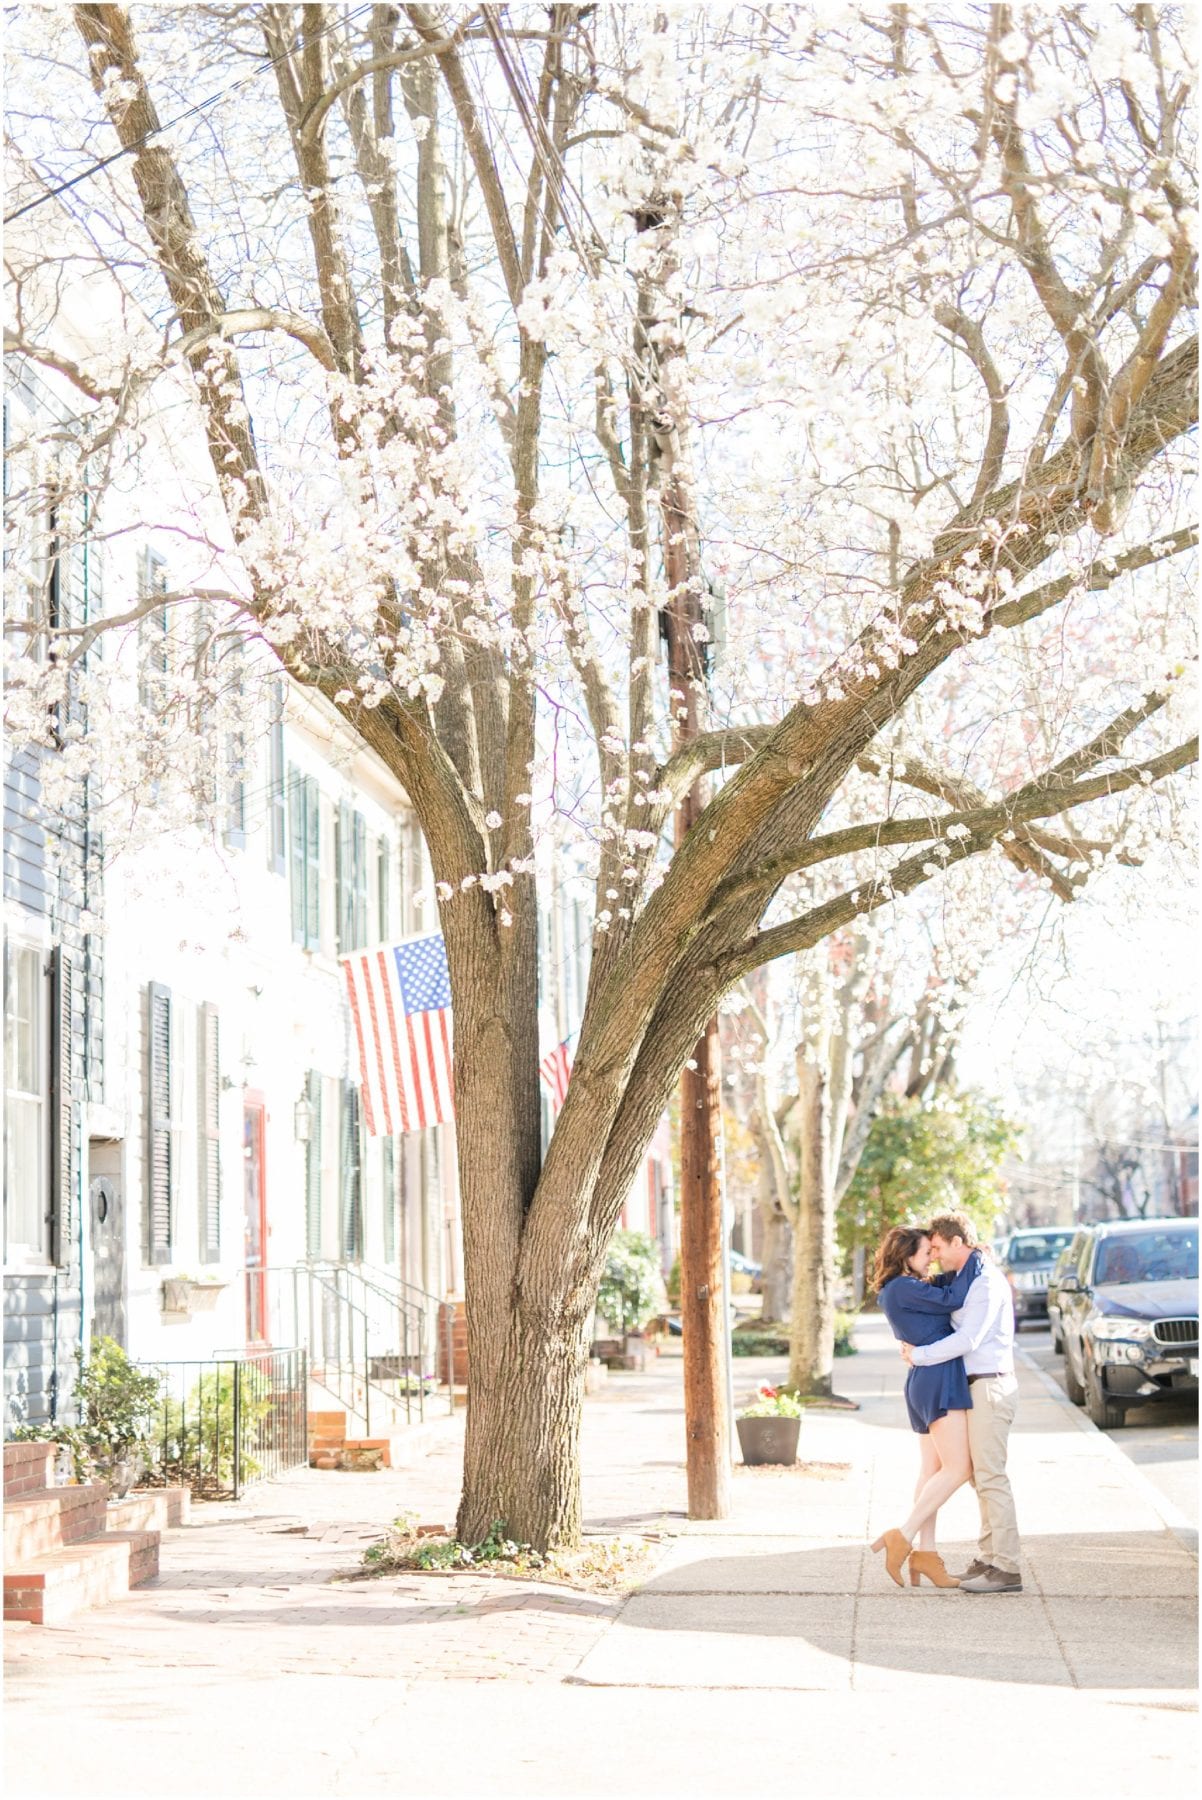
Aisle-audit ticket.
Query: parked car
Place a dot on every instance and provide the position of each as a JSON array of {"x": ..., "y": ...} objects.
[
  {"x": 1027, "y": 1261},
  {"x": 1129, "y": 1316},
  {"x": 1068, "y": 1259}
]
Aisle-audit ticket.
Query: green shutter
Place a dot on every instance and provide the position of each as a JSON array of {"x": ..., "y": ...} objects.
[
  {"x": 359, "y": 897},
  {"x": 63, "y": 1148},
  {"x": 391, "y": 1197},
  {"x": 313, "y": 1168},
  {"x": 159, "y": 1154},
  {"x": 312, "y": 864},
  {"x": 297, "y": 865},
  {"x": 344, "y": 854},
  {"x": 383, "y": 898},
  {"x": 350, "y": 1176},
  {"x": 277, "y": 798},
  {"x": 209, "y": 1134}
]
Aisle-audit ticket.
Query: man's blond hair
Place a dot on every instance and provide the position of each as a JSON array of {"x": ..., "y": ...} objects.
[{"x": 954, "y": 1225}]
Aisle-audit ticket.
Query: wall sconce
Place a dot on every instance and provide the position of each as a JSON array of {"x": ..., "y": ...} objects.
[{"x": 302, "y": 1120}]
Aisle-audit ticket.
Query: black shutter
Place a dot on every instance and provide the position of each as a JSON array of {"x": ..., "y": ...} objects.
[
  {"x": 298, "y": 865},
  {"x": 313, "y": 1167},
  {"x": 208, "y": 1136},
  {"x": 159, "y": 1155},
  {"x": 277, "y": 801},
  {"x": 350, "y": 1169},
  {"x": 64, "y": 1163},
  {"x": 359, "y": 896}
]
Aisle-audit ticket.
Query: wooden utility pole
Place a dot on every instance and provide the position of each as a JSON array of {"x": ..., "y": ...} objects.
[{"x": 703, "y": 1303}]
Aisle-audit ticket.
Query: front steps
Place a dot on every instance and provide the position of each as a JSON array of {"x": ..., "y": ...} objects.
[
  {"x": 333, "y": 1443},
  {"x": 66, "y": 1548}
]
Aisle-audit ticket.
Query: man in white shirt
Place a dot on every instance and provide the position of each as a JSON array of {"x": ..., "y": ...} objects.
[{"x": 984, "y": 1337}]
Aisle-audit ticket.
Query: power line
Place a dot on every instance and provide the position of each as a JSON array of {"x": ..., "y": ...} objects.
[{"x": 265, "y": 63}]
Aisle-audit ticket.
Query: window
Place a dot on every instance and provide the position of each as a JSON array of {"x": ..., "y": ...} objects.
[
  {"x": 27, "y": 1080},
  {"x": 209, "y": 1133},
  {"x": 304, "y": 807},
  {"x": 350, "y": 878},
  {"x": 383, "y": 895},
  {"x": 350, "y": 1176},
  {"x": 277, "y": 799},
  {"x": 159, "y": 1191}
]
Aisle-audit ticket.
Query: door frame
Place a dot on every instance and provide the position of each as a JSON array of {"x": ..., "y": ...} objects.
[{"x": 254, "y": 1103}]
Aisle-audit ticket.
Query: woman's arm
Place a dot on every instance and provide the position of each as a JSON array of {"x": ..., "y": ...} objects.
[{"x": 926, "y": 1297}]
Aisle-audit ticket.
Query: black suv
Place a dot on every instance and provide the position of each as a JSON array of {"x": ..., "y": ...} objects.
[
  {"x": 1129, "y": 1315},
  {"x": 1027, "y": 1260}
]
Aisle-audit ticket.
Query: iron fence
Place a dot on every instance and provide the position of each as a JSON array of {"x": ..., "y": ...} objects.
[{"x": 230, "y": 1420}]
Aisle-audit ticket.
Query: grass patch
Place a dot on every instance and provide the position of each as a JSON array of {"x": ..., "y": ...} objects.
[{"x": 599, "y": 1566}]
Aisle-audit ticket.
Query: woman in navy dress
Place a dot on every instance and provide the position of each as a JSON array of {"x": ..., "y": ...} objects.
[{"x": 938, "y": 1398}]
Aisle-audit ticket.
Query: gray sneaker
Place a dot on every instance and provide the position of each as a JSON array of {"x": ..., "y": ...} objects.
[
  {"x": 993, "y": 1581},
  {"x": 976, "y": 1567}
]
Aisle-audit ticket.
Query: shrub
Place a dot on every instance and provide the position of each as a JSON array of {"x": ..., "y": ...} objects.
[{"x": 632, "y": 1288}]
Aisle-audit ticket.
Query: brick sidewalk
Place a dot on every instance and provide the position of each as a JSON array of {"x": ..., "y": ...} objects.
[{"x": 784, "y": 1595}]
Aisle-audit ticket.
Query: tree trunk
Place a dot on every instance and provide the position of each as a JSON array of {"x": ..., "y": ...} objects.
[
  {"x": 777, "y": 1264},
  {"x": 813, "y": 1335},
  {"x": 521, "y": 1460},
  {"x": 702, "y": 1288}
]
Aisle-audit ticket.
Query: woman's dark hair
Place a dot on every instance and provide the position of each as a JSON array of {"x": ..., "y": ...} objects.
[{"x": 894, "y": 1252}]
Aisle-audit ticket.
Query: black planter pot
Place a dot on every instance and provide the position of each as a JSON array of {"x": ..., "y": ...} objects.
[{"x": 771, "y": 1440}]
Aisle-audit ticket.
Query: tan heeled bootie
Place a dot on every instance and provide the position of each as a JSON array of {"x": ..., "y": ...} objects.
[
  {"x": 930, "y": 1564},
  {"x": 897, "y": 1549}
]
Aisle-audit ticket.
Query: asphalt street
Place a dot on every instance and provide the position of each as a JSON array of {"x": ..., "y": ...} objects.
[{"x": 1161, "y": 1438}]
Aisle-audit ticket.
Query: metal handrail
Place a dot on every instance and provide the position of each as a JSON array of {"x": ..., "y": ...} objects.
[{"x": 354, "y": 1323}]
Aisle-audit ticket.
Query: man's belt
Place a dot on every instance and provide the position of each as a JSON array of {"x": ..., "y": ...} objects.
[{"x": 991, "y": 1375}]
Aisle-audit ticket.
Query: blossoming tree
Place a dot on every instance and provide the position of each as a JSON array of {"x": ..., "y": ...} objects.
[{"x": 851, "y": 346}]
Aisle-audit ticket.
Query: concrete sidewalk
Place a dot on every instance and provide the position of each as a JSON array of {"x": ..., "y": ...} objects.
[{"x": 768, "y": 1650}]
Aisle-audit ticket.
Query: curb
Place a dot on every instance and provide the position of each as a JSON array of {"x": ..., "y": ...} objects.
[{"x": 1171, "y": 1516}]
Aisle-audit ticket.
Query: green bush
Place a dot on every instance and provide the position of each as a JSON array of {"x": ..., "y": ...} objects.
[
  {"x": 761, "y": 1341},
  {"x": 116, "y": 1404},
  {"x": 632, "y": 1288},
  {"x": 199, "y": 1431},
  {"x": 845, "y": 1324}
]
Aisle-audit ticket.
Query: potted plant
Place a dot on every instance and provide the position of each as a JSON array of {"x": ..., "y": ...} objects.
[
  {"x": 631, "y": 1291},
  {"x": 769, "y": 1428}
]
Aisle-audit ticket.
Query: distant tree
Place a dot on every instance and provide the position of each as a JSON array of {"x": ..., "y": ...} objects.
[{"x": 923, "y": 1155}]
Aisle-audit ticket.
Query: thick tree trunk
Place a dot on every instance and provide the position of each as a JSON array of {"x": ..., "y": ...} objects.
[
  {"x": 813, "y": 1335},
  {"x": 522, "y": 1455},
  {"x": 777, "y": 1264}
]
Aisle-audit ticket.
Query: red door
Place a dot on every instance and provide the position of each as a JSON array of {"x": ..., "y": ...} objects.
[{"x": 254, "y": 1123}]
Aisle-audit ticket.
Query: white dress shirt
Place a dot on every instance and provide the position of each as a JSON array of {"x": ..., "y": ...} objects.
[{"x": 984, "y": 1329}]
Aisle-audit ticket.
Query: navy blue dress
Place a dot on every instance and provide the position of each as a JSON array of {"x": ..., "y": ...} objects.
[{"x": 919, "y": 1312}]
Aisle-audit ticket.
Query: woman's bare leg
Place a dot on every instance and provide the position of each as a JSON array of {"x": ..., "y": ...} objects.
[
  {"x": 928, "y": 1465},
  {"x": 950, "y": 1436}
]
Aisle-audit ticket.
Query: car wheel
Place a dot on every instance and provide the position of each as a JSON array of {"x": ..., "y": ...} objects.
[
  {"x": 1072, "y": 1386},
  {"x": 1057, "y": 1344},
  {"x": 1107, "y": 1414}
]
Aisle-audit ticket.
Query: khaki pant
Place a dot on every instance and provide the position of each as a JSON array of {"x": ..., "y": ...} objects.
[{"x": 994, "y": 1403}]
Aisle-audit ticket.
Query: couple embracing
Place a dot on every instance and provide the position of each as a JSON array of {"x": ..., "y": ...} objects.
[{"x": 957, "y": 1336}]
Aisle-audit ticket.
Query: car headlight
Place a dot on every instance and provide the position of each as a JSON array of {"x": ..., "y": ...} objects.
[{"x": 1135, "y": 1330}]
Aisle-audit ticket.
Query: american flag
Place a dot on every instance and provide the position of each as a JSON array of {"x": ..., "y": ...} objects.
[
  {"x": 556, "y": 1069},
  {"x": 400, "y": 998}
]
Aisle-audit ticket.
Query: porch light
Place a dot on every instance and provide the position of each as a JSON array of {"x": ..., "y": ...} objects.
[{"x": 302, "y": 1118}]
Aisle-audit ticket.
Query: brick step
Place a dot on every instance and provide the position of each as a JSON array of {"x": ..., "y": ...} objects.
[
  {"x": 49, "y": 1589},
  {"x": 397, "y": 1449},
  {"x": 28, "y": 1468},
  {"x": 150, "y": 1509},
  {"x": 50, "y": 1519}
]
